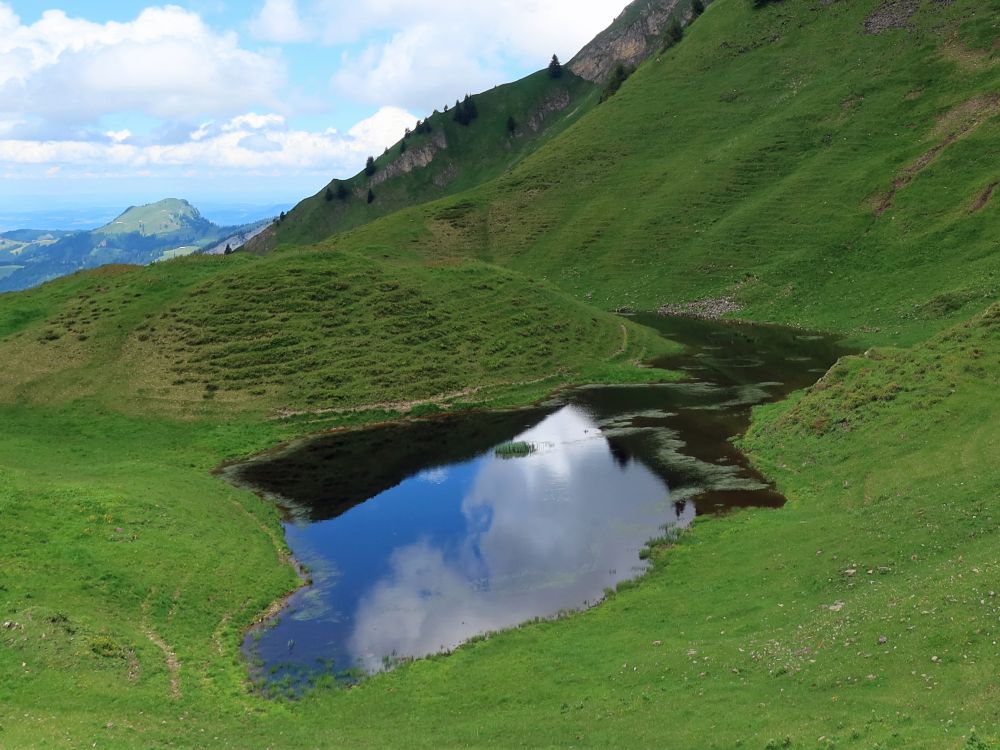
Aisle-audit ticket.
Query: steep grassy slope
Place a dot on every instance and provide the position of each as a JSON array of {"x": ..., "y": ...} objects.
[
  {"x": 450, "y": 158},
  {"x": 453, "y": 157},
  {"x": 781, "y": 156}
]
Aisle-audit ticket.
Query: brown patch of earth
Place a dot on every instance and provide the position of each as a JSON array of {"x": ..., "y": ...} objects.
[
  {"x": 984, "y": 198},
  {"x": 173, "y": 663},
  {"x": 958, "y": 122},
  {"x": 906, "y": 176}
]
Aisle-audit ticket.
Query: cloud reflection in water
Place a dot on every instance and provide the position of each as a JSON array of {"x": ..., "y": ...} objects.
[{"x": 542, "y": 533}]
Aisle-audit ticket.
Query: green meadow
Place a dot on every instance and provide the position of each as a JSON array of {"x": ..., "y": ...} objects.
[{"x": 778, "y": 158}]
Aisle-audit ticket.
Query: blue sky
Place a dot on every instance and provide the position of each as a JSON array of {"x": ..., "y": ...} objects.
[{"x": 105, "y": 103}]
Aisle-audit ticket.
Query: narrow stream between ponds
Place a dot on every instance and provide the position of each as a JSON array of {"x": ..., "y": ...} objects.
[{"x": 420, "y": 536}]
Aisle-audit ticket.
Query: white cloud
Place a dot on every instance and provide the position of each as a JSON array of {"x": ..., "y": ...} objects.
[
  {"x": 166, "y": 92},
  {"x": 279, "y": 21},
  {"x": 427, "y": 53},
  {"x": 166, "y": 63},
  {"x": 248, "y": 142}
]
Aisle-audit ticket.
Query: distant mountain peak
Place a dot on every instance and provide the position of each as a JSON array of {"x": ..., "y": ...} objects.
[{"x": 153, "y": 219}]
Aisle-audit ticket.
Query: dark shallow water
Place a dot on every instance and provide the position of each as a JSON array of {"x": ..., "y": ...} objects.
[{"x": 418, "y": 537}]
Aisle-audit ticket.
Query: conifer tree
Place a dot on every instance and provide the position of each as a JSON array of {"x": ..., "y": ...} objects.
[{"x": 555, "y": 68}]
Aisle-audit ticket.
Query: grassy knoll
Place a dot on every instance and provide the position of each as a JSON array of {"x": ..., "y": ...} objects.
[
  {"x": 301, "y": 331},
  {"x": 781, "y": 156}
]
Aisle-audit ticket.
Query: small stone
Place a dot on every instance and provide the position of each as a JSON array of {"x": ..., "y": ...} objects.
[
  {"x": 851, "y": 572},
  {"x": 836, "y": 606},
  {"x": 935, "y": 659},
  {"x": 657, "y": 643},
  {"x": 883, "y": 640}
]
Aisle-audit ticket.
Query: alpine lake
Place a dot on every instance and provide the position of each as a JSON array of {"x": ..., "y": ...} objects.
[{"x": 421, "y": 535}]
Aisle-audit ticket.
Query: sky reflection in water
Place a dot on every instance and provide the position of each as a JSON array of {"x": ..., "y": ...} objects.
[
  {"x": 478, "y": 546},
  {"x": 418, "y": 537}
]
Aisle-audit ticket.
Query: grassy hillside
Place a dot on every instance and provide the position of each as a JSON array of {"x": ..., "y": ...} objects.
[
  {"x": 301, "y": 331},
  {"x": 863, "y": 613},
  {"x": 450, "y": 158},
  {"x": 161, "y": 218},
  {"x": 781, "y": 156}
]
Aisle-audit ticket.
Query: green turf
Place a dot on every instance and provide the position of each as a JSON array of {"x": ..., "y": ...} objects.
[
  {"x": 748, "y": 161},
  {"x": 304, "y": 332},
  {"x": 451, "y": 158}
]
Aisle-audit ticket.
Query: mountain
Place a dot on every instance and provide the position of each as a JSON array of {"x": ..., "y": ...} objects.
[
  {"x": 829, "y": 165},
  {"x": 442, "y": 156},
  {"x": 140, "y": 235},
  {"x": 165, "y": 218},
  {"x": 844, "y": 183},
  {"x": 636, "y": 34}
]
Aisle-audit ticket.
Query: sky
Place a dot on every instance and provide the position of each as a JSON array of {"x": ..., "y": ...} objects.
[{"x": 121, "y": 102}]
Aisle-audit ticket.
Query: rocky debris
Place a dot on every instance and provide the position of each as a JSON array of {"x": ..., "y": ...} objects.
[
  {"x": 445, "y": 176},
  {"x": 414, "y": 158},
  {"x": 892, "y": 14},
  {"x": 882, "y": 640},
  {"x": 556, "y": 101},
  {"x": 707, "y": 309},
  {"x": 633, "y": 36}
]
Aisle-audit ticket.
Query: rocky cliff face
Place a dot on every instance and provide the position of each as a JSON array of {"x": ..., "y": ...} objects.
[
  {"x": 633, "y": 36},
  {"x": 415, "y": 158}
]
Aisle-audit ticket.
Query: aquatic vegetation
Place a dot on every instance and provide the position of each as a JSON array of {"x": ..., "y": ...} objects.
[{"x": 514, "y": 450}]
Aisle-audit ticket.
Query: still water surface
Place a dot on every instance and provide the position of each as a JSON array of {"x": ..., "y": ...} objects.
[{"x": 418, "y": 536}]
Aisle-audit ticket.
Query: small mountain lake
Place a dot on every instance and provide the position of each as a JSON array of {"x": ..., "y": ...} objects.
[{"x": 419, "y": 536}]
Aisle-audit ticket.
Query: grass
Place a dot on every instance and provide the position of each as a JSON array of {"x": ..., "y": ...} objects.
[
  {"x": 463, "y": 156},
  {"x": 750, "y": 160},
  {"x": 304, "y": 332},
  {"x": 515, "y": 450}
]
